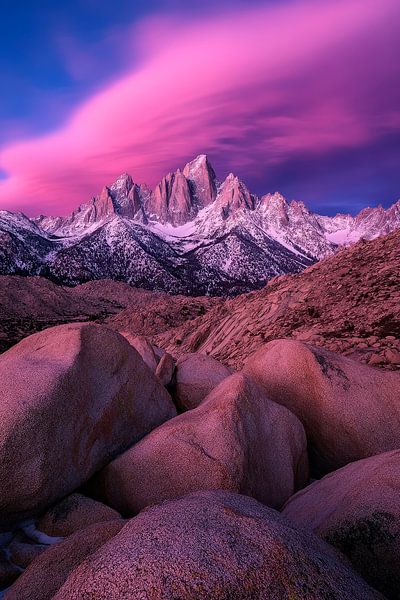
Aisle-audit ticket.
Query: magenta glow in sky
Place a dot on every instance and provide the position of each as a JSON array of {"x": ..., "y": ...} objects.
[{"x": 267, "y": 91}]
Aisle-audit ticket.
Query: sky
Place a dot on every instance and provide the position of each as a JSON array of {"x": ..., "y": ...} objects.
[{"x": 300, "y": 96}]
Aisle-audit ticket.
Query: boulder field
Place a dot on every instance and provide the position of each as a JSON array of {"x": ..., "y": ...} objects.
[
  {"x": 107, "y": 492},
  {"x": 209, "y": 545}
]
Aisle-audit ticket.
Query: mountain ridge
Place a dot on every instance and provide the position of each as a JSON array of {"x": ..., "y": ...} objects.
[{"x": 190, "y": 235}]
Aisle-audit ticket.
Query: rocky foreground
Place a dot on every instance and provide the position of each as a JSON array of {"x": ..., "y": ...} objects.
[
  {"x": 203, "y": 448},
  {"x": 128, "y": 474}
]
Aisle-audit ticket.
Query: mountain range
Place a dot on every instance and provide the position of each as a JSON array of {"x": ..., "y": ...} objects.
[{"x": 191, "y": 235}]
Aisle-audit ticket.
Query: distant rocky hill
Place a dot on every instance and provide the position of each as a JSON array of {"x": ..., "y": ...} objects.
[
  {"x": 191, "y": 235},
  {"x": 348, "y": 303},
  {"x": 30, "y": 304}
]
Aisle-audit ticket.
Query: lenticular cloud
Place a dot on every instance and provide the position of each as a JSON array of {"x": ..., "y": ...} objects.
[{"x": 257, "y": 85}]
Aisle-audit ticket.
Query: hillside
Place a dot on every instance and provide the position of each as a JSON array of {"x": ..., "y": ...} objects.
[
  {"x": 29, "y": 304},
  {"x": 348, "y": 303}
]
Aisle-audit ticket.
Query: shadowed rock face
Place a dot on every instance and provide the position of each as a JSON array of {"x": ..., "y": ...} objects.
[
  {"x": 73, "y": 513},
  {"x": 195, "y": 376},
  {"x": 349, "y": 411},
  {"x": 73, "y": 396},
  {"x": 357, "y": 510},
  {"x": 237, "y": 439},
  {"x": 214, "y": 546},
  {"x": 47, "y": 573}
]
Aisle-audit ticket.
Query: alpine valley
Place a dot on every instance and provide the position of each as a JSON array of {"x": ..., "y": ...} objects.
[{"x": 191, "y": 235}]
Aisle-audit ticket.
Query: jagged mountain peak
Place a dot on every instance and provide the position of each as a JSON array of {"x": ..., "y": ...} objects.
[
  {"x": 171, "y": 200},
  {"x": 273, "y": 200},
  {"x": 233, "y": 195},
  {"x": 202, "y": 181},
  {"x": 189, "y": 234},
  {"x": 123, "y": 179},
  {"x": 182, "y": 195},
  {"x": 199, "y": 163}
]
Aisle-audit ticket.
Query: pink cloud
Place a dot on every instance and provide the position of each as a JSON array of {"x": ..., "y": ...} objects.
[{"x": 266, "y": 82}]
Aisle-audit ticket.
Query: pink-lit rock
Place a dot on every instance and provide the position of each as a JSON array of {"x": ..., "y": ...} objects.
[
  {"x": 143, "y": 346},
  {"x": 196, "y": 375},
  {"x": 171, "y": 200},
  {"x": 349, "y": 411},
  {"x": 357, "y": 510},
  {"x": 201, "y": 177},
  {"x": 237, "y": 439},
  {"x": 214, "y": 546},
  {"x": 165, "y": 369},
  {"x": 234, "y": 195},
  {"x": 73, "y": 513},
  {"x": 73, "y": 396},
  {"x": 47, "y": 573}
]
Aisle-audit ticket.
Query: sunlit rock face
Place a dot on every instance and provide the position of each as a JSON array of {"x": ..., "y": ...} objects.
[
  {"x": 202, "y": 180},
  {"x": 70, "y": 401},
  {"x": 172, "y": 201},
  {"x": 349, "y": 411}
]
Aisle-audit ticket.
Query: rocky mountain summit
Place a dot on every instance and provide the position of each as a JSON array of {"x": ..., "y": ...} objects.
[{"x": 190, "y": 235}]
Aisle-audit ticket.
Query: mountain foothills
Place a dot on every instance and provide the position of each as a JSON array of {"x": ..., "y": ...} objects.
[
  {"x": 346, "y": 303},
  {"x": 191, "y": 235}
]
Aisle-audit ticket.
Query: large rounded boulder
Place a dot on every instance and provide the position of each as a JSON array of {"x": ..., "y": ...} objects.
[
  {"x": 72, "y": 398},
  {"x": 357, "y": 509},
  {"x": 196, "y": 375},
  {"x": 349, "y": 411},
  {"x": 237, "y": 439},
  {"x": 214, "y": 546}
]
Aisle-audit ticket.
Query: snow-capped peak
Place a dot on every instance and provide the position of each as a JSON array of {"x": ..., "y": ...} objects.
[{"x": 187, "y": 209}]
